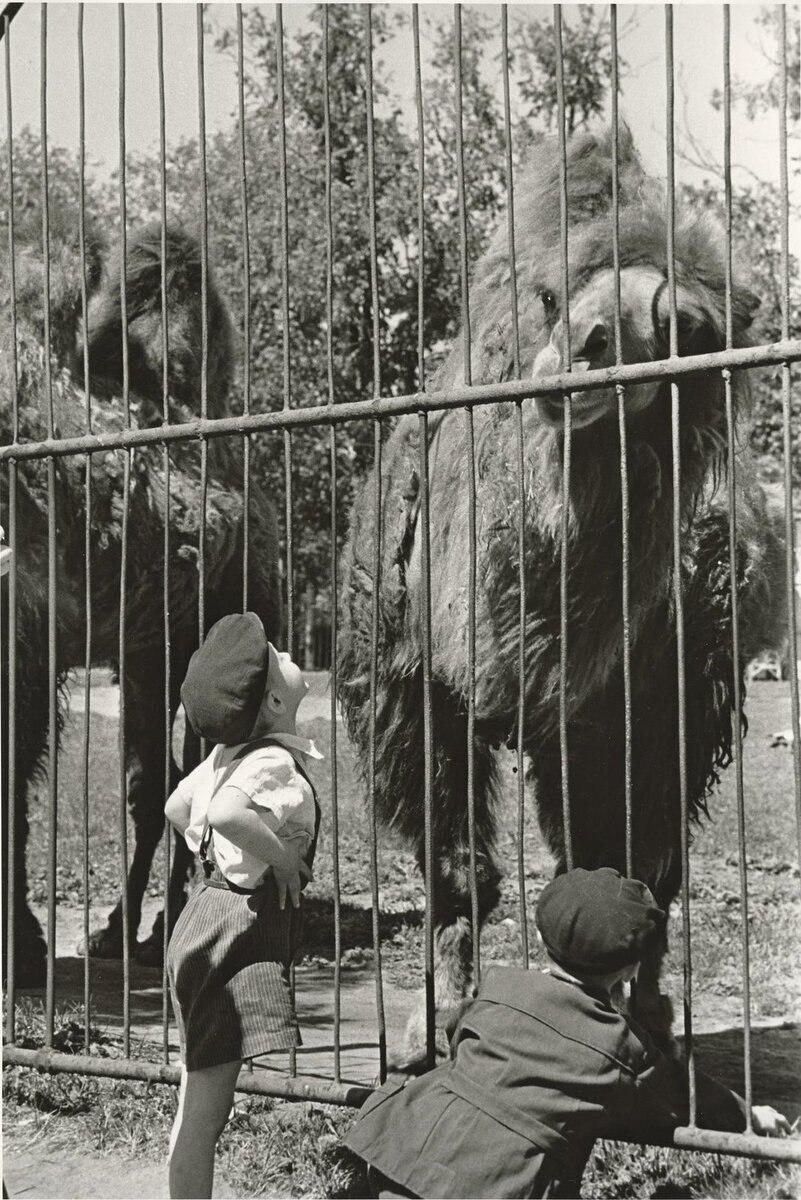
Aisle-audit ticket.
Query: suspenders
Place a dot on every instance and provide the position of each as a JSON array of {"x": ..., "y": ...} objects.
[{"x": 208, "y": 863}]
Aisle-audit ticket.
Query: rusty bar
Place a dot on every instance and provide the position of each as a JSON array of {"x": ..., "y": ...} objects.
[
  {"x": 425, "y": 557},
  {"x": 567, "y": 443},
  {"x": 745, "y": 1145},
  {"x": 52, "y": 573},
  {"x": 329, "y": 346},
  {"x": 792, "y": 626},
  {"x": 87, "y": 715},
  {"x": 165, "y": 404},
  {"x": 471, "y": 501},
  {"x": 126, "y": 492},
  {"x": 260, "y": 1082},
  {"x": 375, "y": 614},
  {"x": 309, "y": 1088},
  {"x": 678, "y": 597},
  {"x": 474, "y": 396},
  {"x": 624, "y": 468},
  {"x": 735, "y": 603},
  {"x": 246, "y": 443},
  {"x": 521, "y": 496},
  {"x": 290, "y": 550},
  {"x": 11, "y": 828}
]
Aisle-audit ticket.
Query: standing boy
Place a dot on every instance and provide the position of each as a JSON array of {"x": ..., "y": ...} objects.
[{"x": 250, "y": 812}]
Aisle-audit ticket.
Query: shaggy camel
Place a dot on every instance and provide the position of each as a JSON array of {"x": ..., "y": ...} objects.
[
  {"x": 144, "y": 619},
  {"x": 594, "y": 678}
]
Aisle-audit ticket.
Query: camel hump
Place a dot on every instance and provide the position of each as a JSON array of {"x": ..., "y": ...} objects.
[{"x": 143, "y": 302}]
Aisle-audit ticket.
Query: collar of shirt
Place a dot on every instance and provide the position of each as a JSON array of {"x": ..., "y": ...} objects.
[{"x": 293, "y": 742}]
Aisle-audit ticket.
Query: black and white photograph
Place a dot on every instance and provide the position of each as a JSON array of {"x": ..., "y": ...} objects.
[{"x": 400, "y": 600}]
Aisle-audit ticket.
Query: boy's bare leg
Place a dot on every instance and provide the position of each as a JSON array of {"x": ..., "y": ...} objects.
[{"x": 204, "y": 1105}]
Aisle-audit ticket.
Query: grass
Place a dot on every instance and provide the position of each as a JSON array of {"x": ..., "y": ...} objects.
[{"x": 280, "y": 1149}]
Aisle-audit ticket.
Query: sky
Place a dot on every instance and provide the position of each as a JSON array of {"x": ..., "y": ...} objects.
[{"x": 698, "y": 48}]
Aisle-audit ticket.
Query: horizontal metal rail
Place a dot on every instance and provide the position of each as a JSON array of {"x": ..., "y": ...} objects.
[
  {"x": 264, "y": 1083},
  {"x": 773, "y": 354},
  {"x": 255, "y": 1083}
]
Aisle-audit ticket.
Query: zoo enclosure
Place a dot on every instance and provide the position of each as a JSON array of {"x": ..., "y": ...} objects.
[{"x": 374, "y": 413}]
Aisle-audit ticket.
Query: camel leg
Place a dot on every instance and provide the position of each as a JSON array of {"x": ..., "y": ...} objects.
[
  {"x": 145, "y": 760},
  {"x": 151, "y": 951},
  {"x": 597, "y": 807},
  {"x": 453, "y": 918},
  {"x": 31, "y": 713},
  {"x": 650, "y": 1006}
]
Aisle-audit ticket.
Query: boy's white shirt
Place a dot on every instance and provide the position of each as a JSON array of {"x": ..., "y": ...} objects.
[{"x": 270, "y": 778}]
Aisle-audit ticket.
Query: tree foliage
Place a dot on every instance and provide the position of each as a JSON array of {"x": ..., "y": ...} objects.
[
  {"x": 586, "y": 68},
  {"x": 757, "y": 218}
]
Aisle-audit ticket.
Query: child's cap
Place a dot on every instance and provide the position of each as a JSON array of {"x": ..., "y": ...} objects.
[
  {"x": 225, "y": 682},
  {"x": 595, "y": 922}
]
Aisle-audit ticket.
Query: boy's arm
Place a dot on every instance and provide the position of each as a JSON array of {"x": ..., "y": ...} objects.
[
  {"x": 178, "y": 808},
  {"x": 660, "y": 1096},
  {"x": 238, "y": 819}
]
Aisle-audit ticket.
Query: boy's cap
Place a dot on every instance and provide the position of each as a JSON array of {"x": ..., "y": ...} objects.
[
  {"x": 225, "y": 682},
  {"x": 594, "y": 922}
]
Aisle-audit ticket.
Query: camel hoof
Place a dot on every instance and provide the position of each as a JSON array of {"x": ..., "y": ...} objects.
[
  {"x": 413, "y": 1058},
  {"x": 150, "y": 953},
  {"x": 103, "y": 943}
]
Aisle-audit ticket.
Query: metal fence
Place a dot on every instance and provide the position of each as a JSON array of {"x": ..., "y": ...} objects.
[{"x": 376, "y": 411}]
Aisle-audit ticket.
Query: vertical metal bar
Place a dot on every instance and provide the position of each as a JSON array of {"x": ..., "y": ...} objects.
[
  {"x": 735, "y": 602},
  {"x": 126, "y": 948},
  {"x": 425, "y": 526},
  {"x": 677, "y": 583},
  {"x": 246, "y": 442},
  {"x": 624, "y": 464},
  {"x": 165, "y": 406},
  {"x": 87, "y": 712},
  {"x": 290, "y": 541},
  {"x": 290, "y": 550},
  {"x": 792, "y": 626},
  {"x": 375, "y": 614},
  {"x": 332, "y": 442},
  {"x": 521, "y": 498},
  {"x": 566, "y": 455},
  {"x": 9, "y": 896},
  {"x": 471, "y": 501},
  {"x": 52, "y": 573},
  {"x": 204, "y": 324}
]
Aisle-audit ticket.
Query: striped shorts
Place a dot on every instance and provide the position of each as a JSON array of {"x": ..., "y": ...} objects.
[{"x": 228, "y": 964}]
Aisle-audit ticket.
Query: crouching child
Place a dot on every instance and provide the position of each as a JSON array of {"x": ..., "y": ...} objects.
[
  {"x": 250, "y": 812},
  {"x": 542, "y": 1065}
]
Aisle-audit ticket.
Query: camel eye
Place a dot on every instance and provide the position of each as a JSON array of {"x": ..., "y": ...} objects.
[{"x": 548, "y": 302}]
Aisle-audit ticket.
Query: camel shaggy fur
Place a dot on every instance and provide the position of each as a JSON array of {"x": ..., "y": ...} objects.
[
  {"x": 144, "y": 677},
  {"x": 594, "y": 676}
]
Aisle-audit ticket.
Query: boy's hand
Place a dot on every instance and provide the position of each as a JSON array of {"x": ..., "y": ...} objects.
[
  {"x": 290, "y": 874},
  {"x": 768, "y": 1122}
]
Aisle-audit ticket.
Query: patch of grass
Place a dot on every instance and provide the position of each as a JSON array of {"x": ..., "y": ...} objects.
[{"x": 617, "y": 1170}]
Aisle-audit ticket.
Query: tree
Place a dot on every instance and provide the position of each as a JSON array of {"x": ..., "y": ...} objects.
[
  {"x": 586, "y": 67},
  {"x": 756, "y": 232}
]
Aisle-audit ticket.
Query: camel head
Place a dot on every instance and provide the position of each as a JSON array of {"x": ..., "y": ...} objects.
[{"x": 644, "y": 337}]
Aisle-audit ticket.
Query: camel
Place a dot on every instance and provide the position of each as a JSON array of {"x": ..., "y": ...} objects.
[
  {"x": 144, "y": 676},
  {"x": 594, "y": 676}
]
